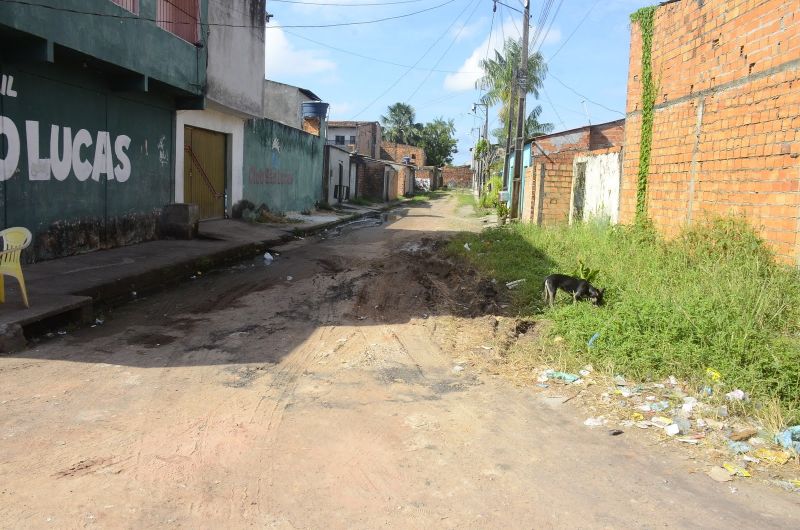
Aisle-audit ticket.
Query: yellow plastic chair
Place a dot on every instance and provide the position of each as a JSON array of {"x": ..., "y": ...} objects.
[{"x": 14, "y": 240}]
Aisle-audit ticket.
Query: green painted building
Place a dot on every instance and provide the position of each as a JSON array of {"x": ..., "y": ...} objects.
[{"x": 88, "y": 95}]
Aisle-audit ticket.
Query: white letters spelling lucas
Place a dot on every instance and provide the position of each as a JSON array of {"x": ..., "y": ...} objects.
[{"x": 72, "y": 152}]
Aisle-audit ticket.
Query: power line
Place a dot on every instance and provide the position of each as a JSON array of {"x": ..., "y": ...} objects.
[
  {"x": 370, "y": 4},
  {"x": 356, "y": 54},
  {"x": 455, "y": 38},
  {"x": 564, "y": 125},
  {"x": 584, "y": 97},
  {"x": 552, "y": 20},
  {"x": 211, "y": 24},
  {"x": 585, "y": 16},
  {"x": 400, "y": 78}
]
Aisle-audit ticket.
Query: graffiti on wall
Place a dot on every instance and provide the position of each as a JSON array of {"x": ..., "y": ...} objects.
[
  {"x": 83, "y": 154},
  {"x": 269, "y": 176}
]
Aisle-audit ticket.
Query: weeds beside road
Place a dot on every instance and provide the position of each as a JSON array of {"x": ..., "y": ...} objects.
[{"x": 712, "y": 298}]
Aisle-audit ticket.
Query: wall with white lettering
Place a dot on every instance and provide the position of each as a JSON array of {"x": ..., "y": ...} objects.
[{"x": 81, "y": 166}]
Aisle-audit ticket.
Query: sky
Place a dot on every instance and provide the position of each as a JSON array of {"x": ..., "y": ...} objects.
[{"x": 430, "y": 59}]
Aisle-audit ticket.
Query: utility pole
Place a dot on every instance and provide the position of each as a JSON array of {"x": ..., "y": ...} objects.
[
  {"x": 507, "y": 185},
  {"x": 483, "y": 173},
  {"x": 523, "y": 78}
]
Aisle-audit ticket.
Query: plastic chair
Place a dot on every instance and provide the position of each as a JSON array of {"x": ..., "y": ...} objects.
[{"x": 14, "y": 240}]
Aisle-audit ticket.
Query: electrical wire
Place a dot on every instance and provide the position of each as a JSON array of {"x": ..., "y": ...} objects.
[
  {"x": 334, "y": 4},
  {"x": 211, "y": 24},
  {"x": 582, "y": 96},
  {"x": 400, "y": 78},
  {"x": 367, "y": 57},
  {"x": 574, "y": 31},
  {"x": 455, "y": 38},
  {"x": 549, "y": 27}
]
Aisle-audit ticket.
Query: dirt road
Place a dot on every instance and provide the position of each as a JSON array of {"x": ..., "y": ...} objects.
[{"x": 246, "y": 398}]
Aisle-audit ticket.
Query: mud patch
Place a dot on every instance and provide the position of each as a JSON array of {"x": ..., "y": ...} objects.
[{"x": 150, "y": 340}]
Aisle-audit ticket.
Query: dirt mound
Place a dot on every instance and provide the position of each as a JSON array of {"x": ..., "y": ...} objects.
[{"x": 421, "y": 280}]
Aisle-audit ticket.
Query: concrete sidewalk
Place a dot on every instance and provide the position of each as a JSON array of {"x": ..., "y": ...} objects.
[{"x": 68, "y": 289}]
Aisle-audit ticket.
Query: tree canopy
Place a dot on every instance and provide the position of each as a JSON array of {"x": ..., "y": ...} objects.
[
  {"x": 435, "y": 137},
  {"x": 498, "y": 80}
]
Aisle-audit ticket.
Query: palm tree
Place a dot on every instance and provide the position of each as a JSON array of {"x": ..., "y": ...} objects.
[
  {"x": 399, "y": 125},
  {"x": 498, "y": 80}
]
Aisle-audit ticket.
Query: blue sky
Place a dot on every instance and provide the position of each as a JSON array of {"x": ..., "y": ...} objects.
[{"x": 430, "y": 60}]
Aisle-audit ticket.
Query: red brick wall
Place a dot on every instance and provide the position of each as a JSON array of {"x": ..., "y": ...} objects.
[
  {"x": 457, "y": 176},
  {"x": 726, "y": 133},
  {"x": 370, "y": 179},
  {"x": 559, "y": 150},
  {"x": 396, "y": 152}
]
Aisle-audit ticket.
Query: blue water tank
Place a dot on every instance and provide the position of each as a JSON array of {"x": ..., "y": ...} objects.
[{"x": 315, "y": 108}]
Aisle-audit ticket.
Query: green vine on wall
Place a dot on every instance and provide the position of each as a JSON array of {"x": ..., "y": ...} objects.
[{"x": 644, "y": 17}]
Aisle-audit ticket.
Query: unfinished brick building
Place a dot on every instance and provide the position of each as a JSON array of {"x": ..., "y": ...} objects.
[
  {"x": 548, "y": 181},
  {"x": 402, "y": 153},
  {"x": 457, "y": 176},
  {"x": 726, "y": 126}
]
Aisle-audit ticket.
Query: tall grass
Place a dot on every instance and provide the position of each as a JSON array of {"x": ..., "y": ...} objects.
[{"x": 713, "y": 297}]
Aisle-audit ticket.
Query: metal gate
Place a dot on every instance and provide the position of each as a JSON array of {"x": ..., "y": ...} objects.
[{"x": 205, "y": 160}]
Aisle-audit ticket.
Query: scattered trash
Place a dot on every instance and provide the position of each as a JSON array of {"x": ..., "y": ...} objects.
[
  {"x": 722, "y": 411},
  {"x": 735, "y": 470},
  {"x": 543, "y": 385},
  {"x": 748, "y": 458},
  {"x": 689, "y": 403},
  {"x": 268, "y": 259},
  {"x": 743, "y": 435},
  {"x": 615, "y": 432},
  {"x": 691, "y": 441},
  {"x": 643, "y": 424},
  {"x": 720, "y": 474},
  {"x": 466, "y": 246},
  {"x": 62, "y": 332},
  {"x": 594, "y": 422},
  {"x": 584, "y": 372},
  {"x": 659, "y": 406},
  {"x": 713, "y": 375},
  {"x": 673, "y": 381},
  {"x": 660, "y": 421},
  {"x": 562, "y": 376},
  {"x": 515, "y": 283},
  {"x": 772, "y": 456},
  {"x": 133, "y": 293},
  {"x": 620, "y": 381},
  {"x": 458, "y": 369},
  {"x": 672, "y": 429},
  {"x": 591, "y": 340},
  {"x": 739, "y": 447},
  {"x": 684, "y": 425},
  {"x": 707, "y": 390},
  {"x": 289, "y": 278},
  {"x": 736, "y": 395},
  {"x": 790, "y": 438}
]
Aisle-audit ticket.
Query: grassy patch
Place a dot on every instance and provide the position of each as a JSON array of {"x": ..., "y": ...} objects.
[
  {"x": 466, "y": 198},
  {"x": 713, "y": 297},
  {"x": 424, "y": 196},
  {"x": 361, "y": 201}
]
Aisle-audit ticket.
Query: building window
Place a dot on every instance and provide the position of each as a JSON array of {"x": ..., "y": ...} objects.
[
  {"x": 340, "y": 140},
  {"x": 130, "y": 5},
  {"x": 179, "y": 17},
  {"x": 352, "y": 140}
]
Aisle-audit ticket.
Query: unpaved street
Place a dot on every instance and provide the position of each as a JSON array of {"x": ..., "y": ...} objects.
[{"x": 245, "y": 399}]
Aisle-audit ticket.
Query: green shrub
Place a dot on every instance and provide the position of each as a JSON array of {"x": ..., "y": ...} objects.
[{"x": 712, "y": 297}]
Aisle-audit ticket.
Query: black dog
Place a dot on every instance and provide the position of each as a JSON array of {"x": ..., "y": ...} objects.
[{"x": 578, "y": 288}]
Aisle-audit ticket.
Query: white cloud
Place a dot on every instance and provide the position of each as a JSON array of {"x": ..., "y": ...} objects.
[
  {"x": 283, "y": 59},
  {"x": 461, "y": 31},
  {"x": 469, "y": 72}
]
